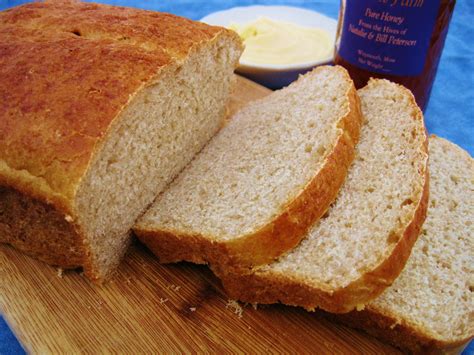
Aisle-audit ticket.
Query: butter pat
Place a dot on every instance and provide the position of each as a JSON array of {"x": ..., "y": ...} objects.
[{"x": 273, "y": 42}]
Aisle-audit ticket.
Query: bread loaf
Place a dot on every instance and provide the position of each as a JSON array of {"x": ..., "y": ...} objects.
[
  {"x": 251, "y": 194},
  {"x": 361, "y": 245},
  {"x": 430, "y": 307},
  {"x": 101, "y": 107}
]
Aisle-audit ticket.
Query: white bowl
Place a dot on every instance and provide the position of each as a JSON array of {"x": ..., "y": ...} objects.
[{"x": 272, "y": 75}]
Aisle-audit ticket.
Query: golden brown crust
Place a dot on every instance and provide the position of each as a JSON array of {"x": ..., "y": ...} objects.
[
  {"x": 286, "y": 230},
  {"x": 267, "y": 287},
  {"x": 37, "y": 228},
  {"x": 397, "y": 332},
  {"x": 75, "y": 66},
  {"x": 261, "y": 287}
]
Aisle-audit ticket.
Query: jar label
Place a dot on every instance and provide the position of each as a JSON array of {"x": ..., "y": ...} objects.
[{"x": 388, "y": 36}]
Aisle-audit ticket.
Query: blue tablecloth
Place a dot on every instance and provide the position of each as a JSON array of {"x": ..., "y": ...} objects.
[{"x": 450, "y": 112}]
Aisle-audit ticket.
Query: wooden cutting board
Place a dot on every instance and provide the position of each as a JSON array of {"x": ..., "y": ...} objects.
[{"x": 149, "y": 308}]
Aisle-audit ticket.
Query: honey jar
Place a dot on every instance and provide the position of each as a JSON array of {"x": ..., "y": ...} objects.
[{"x": 400, "y": 40}]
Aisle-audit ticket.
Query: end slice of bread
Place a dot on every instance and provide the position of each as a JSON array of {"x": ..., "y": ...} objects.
[
  {"x": 349, "y": 257},
  {"x": 430, "y": 307},
  {"x": 253, "y": 192}
]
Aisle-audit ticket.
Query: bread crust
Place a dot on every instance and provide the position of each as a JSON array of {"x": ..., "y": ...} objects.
[
  {"x": 280, "y": 234},
  {"x": 261, "y": 287},
  {"x": 76, "y": 66},
  {"x": 35, "y": 228},
  {"x": 265, "y": 287},
  {"x": 397, "y": 329},
  {"x": 397, "y": 332}
]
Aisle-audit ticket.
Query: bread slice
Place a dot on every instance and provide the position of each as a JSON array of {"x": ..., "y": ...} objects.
[
  {"x": 363, "y": 242},
  {"x": 260, "y": 183},
  {"x": 101, "y": 107},
  {"x": 430, "y": 307}
]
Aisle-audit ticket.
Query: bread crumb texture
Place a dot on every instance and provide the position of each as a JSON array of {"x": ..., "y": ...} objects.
[
  {"x": 291, "y": 148},
  {"x": 377, "y": 200},
  {"x": 360, "y": 246},
  {"x": 434, "y": 293},
  {"x": 264, "y": 157}
]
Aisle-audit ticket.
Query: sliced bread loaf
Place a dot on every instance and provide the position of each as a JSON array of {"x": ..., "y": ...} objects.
[
  {"x": 430, "y": 307},
  {"x": 351, "y": 255},
  {"x": 100, "y": 108},
  {"x": 252, "y": 193}
]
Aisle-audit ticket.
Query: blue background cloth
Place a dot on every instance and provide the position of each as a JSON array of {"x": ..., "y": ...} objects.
[{"x": 450, "y": 112}]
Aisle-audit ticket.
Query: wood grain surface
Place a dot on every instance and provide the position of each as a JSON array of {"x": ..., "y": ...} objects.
[{"x": 153, "y": 308}]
